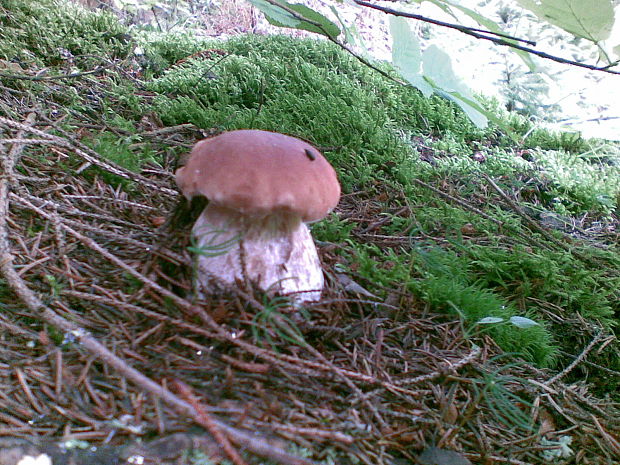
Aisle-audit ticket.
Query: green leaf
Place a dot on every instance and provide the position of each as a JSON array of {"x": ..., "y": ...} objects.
[
  {"x": 283, "y": 14},
  {"x": 406, "y": 55},
  {"x": 437, "y": 69},
  {"x": 479, "y": 108},
  {"x": 522, "y": 322},
  {"x": 351, "y": 33},
  {"x": 440, "y": 4},
  {"x": 489, "y": 320},
  {"x": 590, "y": 19},
  {"x": 493, "y": 27},
  {"x": 431, "y": 71}
]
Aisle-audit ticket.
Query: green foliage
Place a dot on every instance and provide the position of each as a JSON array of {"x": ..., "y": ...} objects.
[
  {"x": 489, "y": 25},
  {"x": 547, "y": 140},
  {"x": 528, "y": 275},
  {"x": 159, "y": 51},
  {"x": 121, "y": 152},
  {"x": 56, "y": 286},
  {"x": 448, "y": 286},
  {"x": 332, "y": 229},
  {"x": 591, "y": 20},
  {"x": 39, "y": 32},
  {"x": 212, "y": 244},
  {"x": 496, "y": 391},
  {"x": 407, "y": 55},
  {"x": 431, "y": 71},
  {"x": 577, "y": 184},
  {"x": 296, "y": 16},
  {"x": 271, "y": 321}
]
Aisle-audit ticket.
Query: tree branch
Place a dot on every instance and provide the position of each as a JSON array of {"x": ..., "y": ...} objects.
[{"x": 498, "y": 41}]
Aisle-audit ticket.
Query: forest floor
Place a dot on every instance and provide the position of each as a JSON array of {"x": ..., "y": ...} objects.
[{"x": 106, "y": 357}]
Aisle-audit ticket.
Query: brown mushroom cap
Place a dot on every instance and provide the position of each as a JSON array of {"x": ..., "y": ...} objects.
[{"x": 259, "y": 172}]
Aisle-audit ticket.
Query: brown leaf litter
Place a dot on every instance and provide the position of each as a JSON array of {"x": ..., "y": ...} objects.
[{"x": 102, "y": 343}]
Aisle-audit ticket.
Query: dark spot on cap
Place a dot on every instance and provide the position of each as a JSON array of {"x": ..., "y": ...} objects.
[{"x": 310, "y": 155}]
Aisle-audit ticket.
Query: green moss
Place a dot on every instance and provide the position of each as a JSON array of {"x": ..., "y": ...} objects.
[
  {"x": 578, "y": 184},
  {"x": 121, "y": 152},
  {"x": 444, "y": 281},
  {"x": 547, "y": 140},
  {"x": 49, "y": 32},
  {"x": 552, "y": 277}
]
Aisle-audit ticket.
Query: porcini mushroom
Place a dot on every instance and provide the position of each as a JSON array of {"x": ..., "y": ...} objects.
[{"x": 263, "y": 187}]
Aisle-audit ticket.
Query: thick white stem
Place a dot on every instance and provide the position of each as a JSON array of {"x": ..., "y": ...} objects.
[{"x": 276, "y": 253}]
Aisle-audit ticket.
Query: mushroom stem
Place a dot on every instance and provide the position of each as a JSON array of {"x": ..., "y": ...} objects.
[{"x": 274, "y": 252}]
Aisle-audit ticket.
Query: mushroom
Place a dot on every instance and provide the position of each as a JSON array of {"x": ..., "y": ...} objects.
[{"x": 263, "y": 187}]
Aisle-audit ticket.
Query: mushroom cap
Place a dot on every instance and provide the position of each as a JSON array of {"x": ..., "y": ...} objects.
[{"x": 260, "y": 173}]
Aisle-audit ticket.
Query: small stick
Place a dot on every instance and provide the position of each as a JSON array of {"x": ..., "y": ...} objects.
[
  {"x": 577, "y": 360},
  {"x": 531, "y": 222},
  {"x": 203, "y": 418},
  {"x": 24, "y": 384},
  {"x": 469, "y": 358}
]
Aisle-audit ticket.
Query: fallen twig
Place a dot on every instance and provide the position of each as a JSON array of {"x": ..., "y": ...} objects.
[
  {"x": 577, "y": 360},
  {"x": 204, "y": 419}
]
